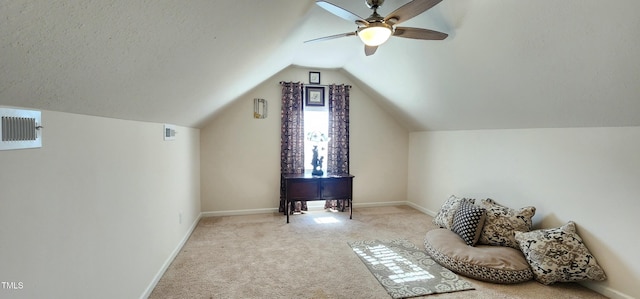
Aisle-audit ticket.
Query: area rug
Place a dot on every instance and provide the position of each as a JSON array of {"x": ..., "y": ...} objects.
[{"x": 406, "y": 271}]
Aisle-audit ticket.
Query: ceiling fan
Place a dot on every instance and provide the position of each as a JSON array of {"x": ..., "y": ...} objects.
[{"x": 375, "y": 30}]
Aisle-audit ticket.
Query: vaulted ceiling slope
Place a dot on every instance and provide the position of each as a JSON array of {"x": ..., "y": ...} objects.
[{"x": 506, "y": 63}]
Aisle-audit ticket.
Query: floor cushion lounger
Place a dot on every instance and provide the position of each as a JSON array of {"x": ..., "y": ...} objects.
[{"x": 498, "y": 264}]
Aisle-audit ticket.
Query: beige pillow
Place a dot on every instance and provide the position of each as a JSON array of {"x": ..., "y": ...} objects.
[
  {"x": 559, "y": 255},
  {"x": 444, "y": 218},
  {"x": 502, "y": 222}
]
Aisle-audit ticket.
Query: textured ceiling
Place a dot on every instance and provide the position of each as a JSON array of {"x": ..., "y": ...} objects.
[{"x": 506, "y": 64}]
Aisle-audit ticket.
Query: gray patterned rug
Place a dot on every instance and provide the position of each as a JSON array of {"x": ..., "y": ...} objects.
[{"x": 406, "y": 271}]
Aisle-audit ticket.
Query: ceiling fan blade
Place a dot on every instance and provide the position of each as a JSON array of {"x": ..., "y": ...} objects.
[
  {"x": 339, "y": 11},
  {"x": 419, "y": 33},
  {"x": 369, "y": 50},
  {"x": 410, "y": 10},
  {"x": 330, "y": 37}
]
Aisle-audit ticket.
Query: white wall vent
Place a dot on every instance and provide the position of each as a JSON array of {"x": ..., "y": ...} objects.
[
  {"x": 169, "y": 132},
  {"x": 20, "y": 129}
]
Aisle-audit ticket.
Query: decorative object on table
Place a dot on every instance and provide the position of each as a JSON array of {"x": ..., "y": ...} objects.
[
  {"x": 405, "y": 271},
  {"x": 376, "y": 29},
  {"x": 259, "y": 108},
  {"x": 319, "y": 139},
  {"x": 314, "y": 95},
  {"x": 314, "y": 77}
]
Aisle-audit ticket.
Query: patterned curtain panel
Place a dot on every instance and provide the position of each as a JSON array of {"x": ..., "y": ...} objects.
[
  {"x": 338, "y": 148},
  {"x": 291, "y": 136}
]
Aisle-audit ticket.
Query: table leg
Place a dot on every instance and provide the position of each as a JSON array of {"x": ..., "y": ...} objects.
[
  {"x": 350, "y": 208},
  {"x": 284, "y": 206}
]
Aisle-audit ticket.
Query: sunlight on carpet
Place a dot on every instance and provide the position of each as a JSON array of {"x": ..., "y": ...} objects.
[
  {"x": 323, "y": 220},
  {"x": 405, "y": 270},
  {"x": 383, "y": 255}
]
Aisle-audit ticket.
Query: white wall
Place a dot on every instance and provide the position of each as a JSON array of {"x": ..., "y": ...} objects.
[
  {"x": 588, "y": 175},
  {"x": 94, "y": 213},
  {"x": 240, "y": 154}
]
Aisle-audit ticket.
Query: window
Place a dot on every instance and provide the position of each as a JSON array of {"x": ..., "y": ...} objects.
[{"x": 316, "y": 120}]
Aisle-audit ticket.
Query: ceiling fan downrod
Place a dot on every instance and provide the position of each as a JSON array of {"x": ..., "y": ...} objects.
[{"x": 374, "y": 4}]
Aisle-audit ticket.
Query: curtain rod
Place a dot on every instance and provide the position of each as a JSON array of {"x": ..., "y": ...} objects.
[{"x": 281, "y": 82}]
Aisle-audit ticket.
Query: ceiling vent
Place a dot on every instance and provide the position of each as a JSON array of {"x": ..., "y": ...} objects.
[{"x": 20, "y": 129}]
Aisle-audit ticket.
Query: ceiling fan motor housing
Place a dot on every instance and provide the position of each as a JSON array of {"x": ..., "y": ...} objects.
[{"x": 374, "y": 3}]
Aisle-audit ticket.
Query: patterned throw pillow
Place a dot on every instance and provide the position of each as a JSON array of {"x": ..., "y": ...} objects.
[
  {"x": 444, "y": 218},
  {"x": 502, "y": 222},
  {"x": 468, "y": 221},
  {"x": 559, "y": 255}
]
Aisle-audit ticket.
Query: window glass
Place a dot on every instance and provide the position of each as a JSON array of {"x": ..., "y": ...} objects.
[{"x": 316, "y": 121}]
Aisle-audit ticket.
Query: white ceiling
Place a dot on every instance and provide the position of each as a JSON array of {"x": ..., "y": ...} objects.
[{"x": 506, "y": 63}]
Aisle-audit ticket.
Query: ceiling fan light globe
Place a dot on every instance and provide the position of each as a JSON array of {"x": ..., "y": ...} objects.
[{"x": 374, "y": 35}]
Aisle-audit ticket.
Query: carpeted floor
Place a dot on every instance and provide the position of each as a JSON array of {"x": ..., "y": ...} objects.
[{"x": 260, "y": 256}]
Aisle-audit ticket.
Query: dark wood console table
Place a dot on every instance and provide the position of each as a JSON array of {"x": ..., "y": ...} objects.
[{"x": 305, "y": 187}]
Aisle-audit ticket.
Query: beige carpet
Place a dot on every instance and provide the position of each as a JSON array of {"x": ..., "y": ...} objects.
[{"x": 260, "y": 256}]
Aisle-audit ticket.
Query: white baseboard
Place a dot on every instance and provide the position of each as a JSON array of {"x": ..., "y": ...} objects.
[
  {"x": 170, "y": 259},
  {"x": 274, "y": 210},
  {"x": 421, "y": 209},
  {"x": 605, "y": 291},
  {"x": 239, "y": 212},
  {"x": 379, "y": 204}
]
